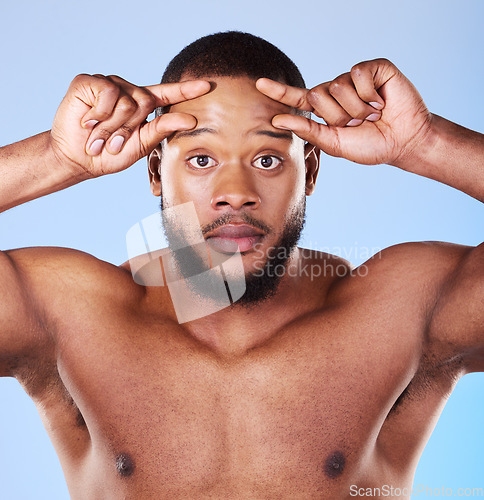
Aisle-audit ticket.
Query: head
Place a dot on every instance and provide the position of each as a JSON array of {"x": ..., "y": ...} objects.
[{"x": 247, "y": 179}]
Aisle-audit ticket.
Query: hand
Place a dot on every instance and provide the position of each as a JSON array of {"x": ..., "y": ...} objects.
[
  {"x": 373, "y": 114},
  {"x": 100, "y": 126}
]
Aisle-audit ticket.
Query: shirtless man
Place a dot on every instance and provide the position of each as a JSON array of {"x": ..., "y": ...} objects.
[{"x": 307, "y": 387}]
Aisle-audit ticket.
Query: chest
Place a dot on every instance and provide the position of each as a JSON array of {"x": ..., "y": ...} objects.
[{"x": 320, "y": 390}]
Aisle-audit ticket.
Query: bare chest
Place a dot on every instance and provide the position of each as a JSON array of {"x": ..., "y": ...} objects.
[{"x": 302, "y": 412}]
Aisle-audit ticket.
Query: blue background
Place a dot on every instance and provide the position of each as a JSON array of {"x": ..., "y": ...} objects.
[{"x": 437, "y": 44}]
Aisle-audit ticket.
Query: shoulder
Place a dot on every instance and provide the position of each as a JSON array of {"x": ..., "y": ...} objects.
[
  {"x": 42, "y": 287},
  {"x": 416, "y": 260},
  {"x": 413, "y": 272},
  {"x": 65, "y": 273},
  {"x": 57, "y": 257},
  {"x": 426, "y": 258}
]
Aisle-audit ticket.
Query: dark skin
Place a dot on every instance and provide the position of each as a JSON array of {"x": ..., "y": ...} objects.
[{"x": 332, "y": 382}]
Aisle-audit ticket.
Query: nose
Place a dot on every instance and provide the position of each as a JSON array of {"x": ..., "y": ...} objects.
[{"x": 234, "y": 187}]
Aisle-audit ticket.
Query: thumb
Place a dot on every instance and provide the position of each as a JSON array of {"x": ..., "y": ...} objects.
[
  {"x": 153, "y": 132},
  {"x": 317, "y": 134}
]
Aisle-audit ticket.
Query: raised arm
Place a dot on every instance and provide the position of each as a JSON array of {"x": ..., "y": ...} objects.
[
  {"x": 374, "y": 115},
  {"x": 100, "y": 128},
  {"x": 451, "y": 154},
  {"x": 21, "y": 328}
]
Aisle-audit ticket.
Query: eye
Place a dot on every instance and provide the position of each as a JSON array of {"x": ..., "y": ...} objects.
[
  {"x": 267, "y": 162},
  {"x": 201, "y": 161}
]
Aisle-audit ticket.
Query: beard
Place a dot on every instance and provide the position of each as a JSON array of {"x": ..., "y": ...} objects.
[{"x": 260, "y": 285}]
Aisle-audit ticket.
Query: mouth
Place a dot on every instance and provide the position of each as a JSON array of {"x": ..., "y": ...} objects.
[{"x": 232, "y": 237}]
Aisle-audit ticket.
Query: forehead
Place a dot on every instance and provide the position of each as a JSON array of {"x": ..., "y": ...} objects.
[{"x": 232, "y": 101}]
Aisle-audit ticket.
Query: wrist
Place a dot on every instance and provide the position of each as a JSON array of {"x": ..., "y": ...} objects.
[
  {"x": 30, "y": 169},
  {"x": 419, "y": 155},
  {"x": 63, "y": 170},
  {"x": 448, "y": 153}
]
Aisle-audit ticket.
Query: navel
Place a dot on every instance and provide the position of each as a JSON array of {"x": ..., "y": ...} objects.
[
  {"x": 124, "y": 465},
  {"x": 334, "y": 464}
]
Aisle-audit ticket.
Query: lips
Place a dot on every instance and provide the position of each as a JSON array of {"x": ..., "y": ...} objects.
[{"x": 230, "y": 237}]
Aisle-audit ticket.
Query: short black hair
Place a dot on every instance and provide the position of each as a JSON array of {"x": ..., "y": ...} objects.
[{"x": 232, "y": 53}]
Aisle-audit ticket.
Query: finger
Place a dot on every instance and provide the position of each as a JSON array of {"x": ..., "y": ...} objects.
[
  {"x": 171, "y": 93},
  {"x": 121, "y": 115},
  {"x": 363, "y": 76},
  {"x": 327, "y": 108},
  {"x": 344, "y": 92},
  {"x": 122, "y": 126},
  {"x": 152, "y": 133},
  {"x": 291, "y": 96},
  {"x": 119, "y": 128},
  {"x": 317, "y": 134},
  {"x": 145, "y": 104},
  {"x": 131, "y": 109},
  {"x": 99, "y": 94}
]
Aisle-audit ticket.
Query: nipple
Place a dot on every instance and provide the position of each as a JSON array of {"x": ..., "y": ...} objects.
[
  {"x": 124, "y": 465},
  {"x": 334, "y": 465}
]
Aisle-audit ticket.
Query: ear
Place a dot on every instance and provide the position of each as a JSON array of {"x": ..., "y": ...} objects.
[
  {"x": 311, "y": 158},
  {"x": 154, "y": 163}
]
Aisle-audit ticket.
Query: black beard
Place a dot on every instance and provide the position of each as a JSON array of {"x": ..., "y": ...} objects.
[
  {"x": 263, "y": 284},
  {"x": 260, "y": 285}
]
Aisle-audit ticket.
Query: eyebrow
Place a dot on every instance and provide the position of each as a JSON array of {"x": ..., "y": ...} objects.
[
  {"x": 193, "y": 133},
  {"x": 287, "y": 136}
]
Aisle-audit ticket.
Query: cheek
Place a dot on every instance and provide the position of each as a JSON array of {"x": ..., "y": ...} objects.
[
  {"x": 179, "y": 187},
  {"x": 298, "y": 172},
  {"x": 292, "y": 186}
]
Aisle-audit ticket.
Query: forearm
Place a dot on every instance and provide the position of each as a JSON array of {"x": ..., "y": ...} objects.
[
  {"x": 29, "y": 169},
  {"x": 450, "y": 154}
]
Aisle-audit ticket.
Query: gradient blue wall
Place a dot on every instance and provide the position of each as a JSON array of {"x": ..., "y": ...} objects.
[{"x": 437, "y": 44}]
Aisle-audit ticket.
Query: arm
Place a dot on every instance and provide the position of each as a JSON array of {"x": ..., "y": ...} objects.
[
  {"x": 456, "y": 320},
  {"x": 81, "y": 145},
  {"x": 29, "y": 170},
  {"x": 374, "y": 115},
  {"x": 450, "y": 154},
  {"x": 99, "y": 128},
  {"x": 21, "y": 328}
]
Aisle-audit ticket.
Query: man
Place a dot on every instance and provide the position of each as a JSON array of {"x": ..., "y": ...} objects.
[{"x": 304, "y": 388}]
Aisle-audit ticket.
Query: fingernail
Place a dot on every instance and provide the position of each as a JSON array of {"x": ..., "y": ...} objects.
[
  {"x": 354, "y": 122},
  {"x": 376, "y": 105},
  {"x": 116, "y": 144},
  {"x": 90, "y": 124},
  {"x": 373, "y": 117},
  {"x": 96, "y": 147}
]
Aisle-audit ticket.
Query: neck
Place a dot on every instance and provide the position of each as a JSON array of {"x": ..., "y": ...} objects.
[{"x": 235, "y": 330}]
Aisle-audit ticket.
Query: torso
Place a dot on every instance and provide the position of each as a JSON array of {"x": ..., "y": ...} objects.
[{"x": 137, "y": 408}]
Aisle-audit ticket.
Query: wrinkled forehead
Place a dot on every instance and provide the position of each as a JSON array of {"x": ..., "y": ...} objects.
[{"x": 232, "y": 101}]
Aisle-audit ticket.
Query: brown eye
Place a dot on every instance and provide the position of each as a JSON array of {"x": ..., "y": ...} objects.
[
  {"x": 201, "y": 161},
  {"x": 267, "y": 162}
]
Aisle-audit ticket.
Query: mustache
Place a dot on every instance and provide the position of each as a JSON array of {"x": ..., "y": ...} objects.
[{"x": 230, "y": 218}]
